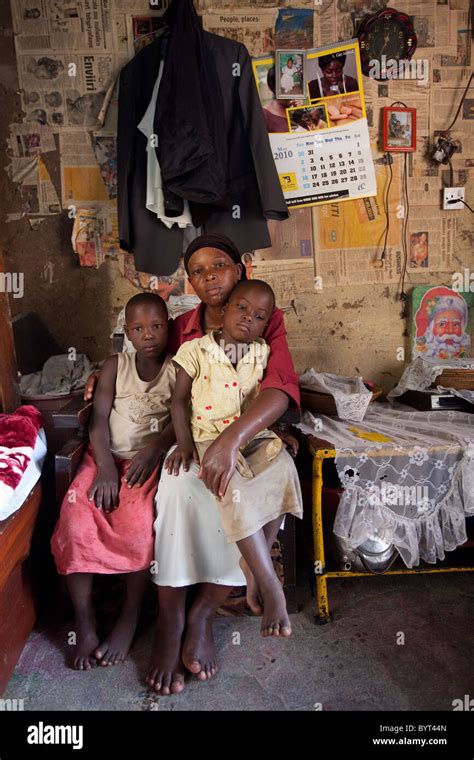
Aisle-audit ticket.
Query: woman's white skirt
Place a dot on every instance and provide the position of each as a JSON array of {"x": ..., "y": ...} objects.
[{"x": 190, "y": 542}]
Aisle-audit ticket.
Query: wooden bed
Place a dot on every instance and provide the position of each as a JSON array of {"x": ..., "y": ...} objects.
[{"x": 17, "y": 606}]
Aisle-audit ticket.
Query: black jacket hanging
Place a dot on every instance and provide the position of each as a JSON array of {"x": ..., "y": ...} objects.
[
  {"x": 191, "y": 149},
  {"x": 252, "y": 184}
]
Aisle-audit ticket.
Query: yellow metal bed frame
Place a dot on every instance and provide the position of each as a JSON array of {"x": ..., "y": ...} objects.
[{"x": 320, "y": 451}]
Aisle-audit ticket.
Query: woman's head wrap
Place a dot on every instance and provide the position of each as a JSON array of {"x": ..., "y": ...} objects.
[{"x": 221, "y": 242}]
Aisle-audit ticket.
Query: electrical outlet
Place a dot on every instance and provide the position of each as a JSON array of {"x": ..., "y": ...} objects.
[{"x": 453, "y": 198}]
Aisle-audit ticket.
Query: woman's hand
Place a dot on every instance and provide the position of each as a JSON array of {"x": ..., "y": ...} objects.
[
  {"x": 142, "y": 465},
  {"x": 290, "y": 442},
  {"x": 181, "y": 455},
  {"x": 90, "y": 385},
  {"x": 218, "y": 465},
  {"x": 105, "y": 488}
]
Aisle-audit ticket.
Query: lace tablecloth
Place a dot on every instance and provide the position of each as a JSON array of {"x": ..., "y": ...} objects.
[{"x": 408, "y": 478}]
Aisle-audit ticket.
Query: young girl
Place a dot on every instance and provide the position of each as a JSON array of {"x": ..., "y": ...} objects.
[
  {"x": 220, "y": 375},
  {"x": 106, "y": 520}
]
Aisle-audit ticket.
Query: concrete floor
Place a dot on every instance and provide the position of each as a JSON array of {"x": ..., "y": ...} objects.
[{"x": 354, "y": 663}]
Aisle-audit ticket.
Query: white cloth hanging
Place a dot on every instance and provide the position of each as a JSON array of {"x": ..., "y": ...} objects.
[{"x": 154, "y": 186}]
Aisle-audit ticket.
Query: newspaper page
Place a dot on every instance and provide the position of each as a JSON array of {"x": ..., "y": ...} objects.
[
  {"x": 83, "y": 26},
  {"x": 424, "y": 18},
  {"x": 64, "y": 90},
  {"x": 254, "y": 5},
  {"x": 28, "y": 140},
  {"x": 36, "y": 191},
  {"x": 291, "y": 239},
  {"x": 141, "y": 6},
  {"x": 357, "y": 267},
  {"x": 82, "y": 183},
  {"x": 325, "y": 155},
  {"x": 362, "y": 222},
  {"x": 339, "y": 19},
  {"x": 255, "y": 29},
  {"x": 95, "y": 235},
  {"x": 288, "y": 278},
  {"x": 431, "y": 239}
]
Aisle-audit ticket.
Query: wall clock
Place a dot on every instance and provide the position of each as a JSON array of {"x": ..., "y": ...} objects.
[{"x": 384, "y": 37}]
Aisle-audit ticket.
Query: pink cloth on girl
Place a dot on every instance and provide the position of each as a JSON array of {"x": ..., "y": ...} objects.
[{"x": 89, "y": 540}]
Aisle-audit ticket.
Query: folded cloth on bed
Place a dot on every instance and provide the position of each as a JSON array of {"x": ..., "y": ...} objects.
[
  {"x": 22, "y": 452},
  {"x": 60, "y": 375}
]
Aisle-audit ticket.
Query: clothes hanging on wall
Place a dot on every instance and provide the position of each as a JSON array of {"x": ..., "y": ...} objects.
[
  {"x": 252, "y": 191},
  {"x": 155, "y": 201}
]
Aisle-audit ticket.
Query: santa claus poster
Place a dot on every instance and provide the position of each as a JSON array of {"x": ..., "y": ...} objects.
[{"x": 442, "y": 322}]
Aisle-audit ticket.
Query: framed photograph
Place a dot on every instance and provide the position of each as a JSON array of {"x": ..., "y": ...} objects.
[
  {"x": 290, "y": 74},
  {"x": 399, "y": 129}
]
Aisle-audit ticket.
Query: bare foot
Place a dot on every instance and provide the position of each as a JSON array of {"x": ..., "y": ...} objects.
[
  {"x": 115, "y": 648},
  {"x": 83, "y": 655},
  {"x": 275, "y": 620},
  {"x": 166, "y": 672},
  {"x": 253, "y": 599},
  {"x": 199, "y": 652}
]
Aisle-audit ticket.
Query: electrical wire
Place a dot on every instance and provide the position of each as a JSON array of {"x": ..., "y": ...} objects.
[
  {"x": 403, "y": 295},
  {"x": 460, "y": 104},
  {"x": 461, "y": 200},
  {"x": 388, "y": 159},
  {"x": 451, "y": 171}
]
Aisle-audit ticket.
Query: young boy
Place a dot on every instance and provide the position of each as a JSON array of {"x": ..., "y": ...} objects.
[
  {"x": 106, "y": 520},
  {"x": 218, "y": 377}
]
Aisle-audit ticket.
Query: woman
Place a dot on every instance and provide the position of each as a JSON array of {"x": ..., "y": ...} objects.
[{"x": 191, "y": 549}]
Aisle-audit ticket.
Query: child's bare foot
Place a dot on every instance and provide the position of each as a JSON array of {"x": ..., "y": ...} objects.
[
  {"x": 253, "y": 599},
  {"x": 199, "y": 652},
  {"x": 275, "y": 620},
  {"x": 115, "y": 648},
  {"x": 83, "y": 655},
  {"x": 166, "y": 672}
]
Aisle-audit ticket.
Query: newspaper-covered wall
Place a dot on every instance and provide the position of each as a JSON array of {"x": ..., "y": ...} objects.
[{"x": 70, "y": 53}]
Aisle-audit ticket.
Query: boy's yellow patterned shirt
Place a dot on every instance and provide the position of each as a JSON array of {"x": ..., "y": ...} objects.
[{"x": 221, "y": 393}]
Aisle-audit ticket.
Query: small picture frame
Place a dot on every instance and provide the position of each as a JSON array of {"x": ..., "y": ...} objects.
[
  {"x": 290, "y": 75},
  {"x": 399, "y": 129}
]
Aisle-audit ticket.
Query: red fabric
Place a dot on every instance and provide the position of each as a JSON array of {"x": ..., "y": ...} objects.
[
  {"x": 17, "y": 431},
  {"x": 87, "y": 540},
  {"x": 280, "y": 373}
]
